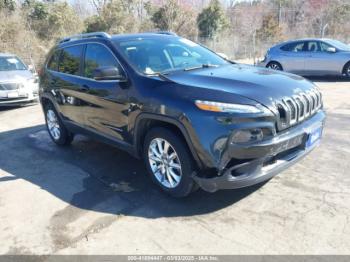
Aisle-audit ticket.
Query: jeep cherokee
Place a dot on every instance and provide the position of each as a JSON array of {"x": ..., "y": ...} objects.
[{"x": 196, "y": 119}]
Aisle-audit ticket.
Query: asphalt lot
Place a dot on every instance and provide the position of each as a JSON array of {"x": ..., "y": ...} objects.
[{"x": 91, "y": 198}]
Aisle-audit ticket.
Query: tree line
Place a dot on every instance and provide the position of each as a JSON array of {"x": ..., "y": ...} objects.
[{"x": 241, "y": 29}]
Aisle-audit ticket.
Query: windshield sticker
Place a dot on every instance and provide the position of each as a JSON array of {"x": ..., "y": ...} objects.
[
  {"x": 188, "y": 42},
  {"x": 149, "y": 71}
]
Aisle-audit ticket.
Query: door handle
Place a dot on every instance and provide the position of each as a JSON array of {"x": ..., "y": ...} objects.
[{"x": 84, "y": 88}]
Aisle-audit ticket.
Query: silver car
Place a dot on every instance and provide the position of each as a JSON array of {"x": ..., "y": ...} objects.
[
  {"x": 18, "y": 84},
  {"x": 310, "y": 57}
]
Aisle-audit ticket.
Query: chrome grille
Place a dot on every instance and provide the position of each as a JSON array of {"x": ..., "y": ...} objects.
[
  {"x": 293, "y": 110},
  {"x": 10, "y": 86}
]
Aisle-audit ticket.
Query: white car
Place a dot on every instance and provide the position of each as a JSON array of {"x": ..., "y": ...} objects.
[{"x": 18, "y": 84}]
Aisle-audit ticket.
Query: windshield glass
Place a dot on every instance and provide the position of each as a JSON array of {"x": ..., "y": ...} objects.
[
  {"x": 339, "y": 45},
  {"x": 162, "y": 55},
  {"x": 9, "y": 63}
]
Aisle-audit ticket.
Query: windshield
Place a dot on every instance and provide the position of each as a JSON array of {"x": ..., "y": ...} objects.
[
  {"x": 162, "y": 55},
  {"x": 339, "y": 45},
  {"x": 9, "y": 63}
]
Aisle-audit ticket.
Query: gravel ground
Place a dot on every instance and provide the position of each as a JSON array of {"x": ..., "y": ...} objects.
[{"x": 91, "y": 198}]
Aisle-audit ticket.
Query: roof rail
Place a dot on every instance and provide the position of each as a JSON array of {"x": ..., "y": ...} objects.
[
  {"x": 162, "y": 33},
  {"x": 167, "y": 33},
  {"x": 83, "y": 36}
]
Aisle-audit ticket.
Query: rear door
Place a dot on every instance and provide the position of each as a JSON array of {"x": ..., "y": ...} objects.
[
  {"x": 67, "y": 85},
  {"x": 293, "y": 57},
  {"x": 107, "y": 100}
]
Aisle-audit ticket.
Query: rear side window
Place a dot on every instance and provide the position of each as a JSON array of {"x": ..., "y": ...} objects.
[
  {"x": 293, "y": 47},
  {"x": 98, "y": 56},
  {"x": 70, "y": 60},
  {"x": 53, "y": 61}
]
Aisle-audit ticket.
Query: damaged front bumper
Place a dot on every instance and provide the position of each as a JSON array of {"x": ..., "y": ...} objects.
[{"x": 262, "y": 161}]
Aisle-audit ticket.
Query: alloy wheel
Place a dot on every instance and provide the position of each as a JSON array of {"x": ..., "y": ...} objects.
[
  {"x": 274, "y": 66},
  {"x": 165, "y": 163},
  {"x": 53, "y": 124}
]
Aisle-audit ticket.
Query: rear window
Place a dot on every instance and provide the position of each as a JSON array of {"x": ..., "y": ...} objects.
[
  {"x": 293, "y": 47},
  {"x": 70, "y": 60}
]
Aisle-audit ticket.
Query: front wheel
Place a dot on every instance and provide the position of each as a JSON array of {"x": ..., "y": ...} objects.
[
  {"x": 169, "y": 162},
  {"x": 275, "y": 66}
]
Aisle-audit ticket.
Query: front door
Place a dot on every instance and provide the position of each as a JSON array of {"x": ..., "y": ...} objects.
[
  {"x": 319, "y": 61},
  {"x": 107, "y": 100}
]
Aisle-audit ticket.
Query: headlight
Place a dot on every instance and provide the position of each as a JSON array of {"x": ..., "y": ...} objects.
[
  {"x": 226, "y": 107},
  {"x": 34, "y": 80}
]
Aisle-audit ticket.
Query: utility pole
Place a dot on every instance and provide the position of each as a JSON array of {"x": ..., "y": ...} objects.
[
  {"x": 323, "y": 31},
  {"x": 279, "y": 12}
]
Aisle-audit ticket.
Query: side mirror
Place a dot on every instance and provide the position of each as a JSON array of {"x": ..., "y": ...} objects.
[
  {"x": 107, "y": 73},
  {"x": 331, "y": 50}
]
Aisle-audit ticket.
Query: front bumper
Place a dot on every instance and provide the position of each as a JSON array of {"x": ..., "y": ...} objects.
[
  {"x": 22, "y": 96},
  {"x": 262, "y": 161},
  {"x": 261, "y": 63}
]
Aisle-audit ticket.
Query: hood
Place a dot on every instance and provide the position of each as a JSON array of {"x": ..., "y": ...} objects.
[
  {"x": 15, "y": 76},
  {"x": 265, "y": 86}
]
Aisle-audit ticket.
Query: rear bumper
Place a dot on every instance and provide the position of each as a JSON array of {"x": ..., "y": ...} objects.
[{"x": 262, "y": 161}]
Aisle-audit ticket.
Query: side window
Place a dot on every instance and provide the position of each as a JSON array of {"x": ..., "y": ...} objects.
[
  {"x": 70, "y": 60},
  {"x": 53, "y": 61},
  {"x": 287, "y": 47},
  {"x": 97, "y": 56},
  {"x": 313, "y": 46},
  {"x": 294, "y": 47},
  {"x": 325, "y": 46}
]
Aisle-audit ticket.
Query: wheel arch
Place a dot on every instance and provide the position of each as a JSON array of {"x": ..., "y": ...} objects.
[
  {"x": 146, "y": 122},
  {"x": 344, "y": 67},
  {"x": 277, "y": 62},
  {"x": 46, "y": 99}
]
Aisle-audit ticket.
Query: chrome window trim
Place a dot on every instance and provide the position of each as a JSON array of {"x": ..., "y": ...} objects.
[{"x": 87, "y": 78}]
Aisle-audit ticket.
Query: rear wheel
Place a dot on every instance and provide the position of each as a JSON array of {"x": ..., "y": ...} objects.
[
  {"x": 169, "y": 162},
  {"x": 347, "y": 70},
  {"x": 275, "y": 66},
  {"x": 57, "y": 131}
]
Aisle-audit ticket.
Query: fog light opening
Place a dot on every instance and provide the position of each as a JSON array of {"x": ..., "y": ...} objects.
[{"x": 249, "y": 135}]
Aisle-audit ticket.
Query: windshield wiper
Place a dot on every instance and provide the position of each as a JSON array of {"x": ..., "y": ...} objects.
[
  {"x": 200, "y": 67},
  {"x": 161, "y": 76}
]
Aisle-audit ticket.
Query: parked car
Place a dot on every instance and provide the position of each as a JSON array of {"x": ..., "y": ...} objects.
[
  {"x": 194, "y": 117},
  {"x": 18, "y": 83},
  {"x": 310, "y": 57}
]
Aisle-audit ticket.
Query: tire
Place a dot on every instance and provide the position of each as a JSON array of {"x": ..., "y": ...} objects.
[
  {"x": 274, "y": 66},
  {"x": 347, "y": 70},
  {"x": 176, "y": 182},
  {"x": 57, "y": 131}
]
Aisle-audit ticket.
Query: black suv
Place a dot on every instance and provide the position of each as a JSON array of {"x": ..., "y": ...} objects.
[{"x": 194, "y": 117}]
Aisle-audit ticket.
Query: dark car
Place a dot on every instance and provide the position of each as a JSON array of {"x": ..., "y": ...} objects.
[{"x": 194, "y": 117}]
